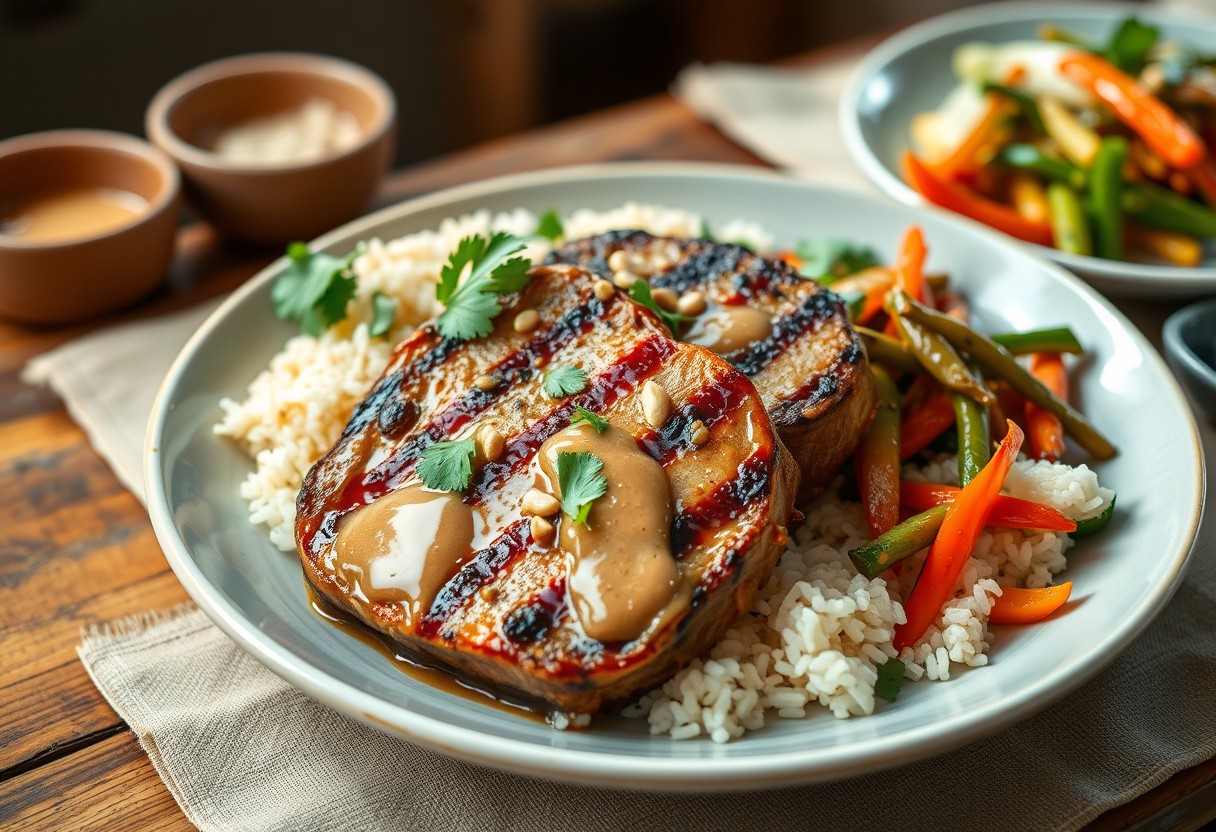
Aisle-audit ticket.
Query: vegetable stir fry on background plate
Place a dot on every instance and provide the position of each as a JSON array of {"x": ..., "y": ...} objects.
[{"x": 1078, "y": 128}]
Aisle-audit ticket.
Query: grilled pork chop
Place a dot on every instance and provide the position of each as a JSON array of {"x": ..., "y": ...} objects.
[
  {"x": 562, "y": 617},
  {"x": 788, "y": 334}
]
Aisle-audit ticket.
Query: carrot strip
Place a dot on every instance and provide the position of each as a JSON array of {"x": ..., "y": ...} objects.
[
  {"x": 955, "y": 197},
  {"x": 1163, "y": 131},
  {"x": 925, "y": 423},
  {"x": 877, "y": 458},
  {"x": 1043, "y": 428},
  {"x": 1007, "y": 512},
  {"x": 1026, "y": 606},
  {"x": 789, "y": 256},
  {"x": 965, "y": 518},
  {"x": 910, "y": 266}
]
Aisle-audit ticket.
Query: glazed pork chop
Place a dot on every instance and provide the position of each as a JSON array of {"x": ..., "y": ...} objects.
[
  {"x": 789, "y": 335},
  {"x": 496, "y": 584}
]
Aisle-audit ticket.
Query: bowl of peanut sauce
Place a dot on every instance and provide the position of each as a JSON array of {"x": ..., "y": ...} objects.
[{"x": 87, "y": 223}]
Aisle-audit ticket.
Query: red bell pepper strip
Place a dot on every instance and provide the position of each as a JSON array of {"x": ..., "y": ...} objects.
[
  {"x": 1007, "y": 512},
  {"x": 1026, "y": 606},
  {"x": 877, "y": 458},
  {"x": 955, "y": 197},
  {"x": 1163, "y": 131},
  {"x": 1044, "y": 431},
  {"x": 965, "y": 518},
  {"x": 924, "y": 424}
]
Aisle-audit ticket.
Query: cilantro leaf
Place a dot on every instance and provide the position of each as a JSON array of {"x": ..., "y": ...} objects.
[
  {"x": 640, "y": 292},
  {"x": 1129, "y": 45},
  {"x": 890, "y": 678},
  {"x": 564, "y": 380},
  {"x": 581, "y": 483},
  {"x": 471, "y": 305},
  {"x": 314, "y": 288},
  {"x": 384, "y": 314},
  {"x": 582, "y": 414},
  {"x": 447, "y": 466},
  {"x": 706, "y": 233},
  {"x": 827, "y": 260},
  {"x": 550, "y": 226}
]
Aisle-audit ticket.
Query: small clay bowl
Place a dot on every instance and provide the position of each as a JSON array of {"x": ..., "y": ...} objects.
[
  {"x": 274, "y": 203},
  {"x": 72, "y": 277}
]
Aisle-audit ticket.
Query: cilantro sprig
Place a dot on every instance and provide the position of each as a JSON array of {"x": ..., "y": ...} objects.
[
  {"x": 564, "y": 380},
  {"x": 314, "y": 288},
  {"x": 581, "y": 483},
  {"x": 384, "y": 314},
  {"x": 582, "y": 414},
  {"x": 550, "y": 226},
  {"x": 471, "y": 305},
  {"x": 828, "y": 260},
  {"x": 640, "y": 292},
  {"x": 447, "y": 466},
  {"x": 890, "y": 678}
]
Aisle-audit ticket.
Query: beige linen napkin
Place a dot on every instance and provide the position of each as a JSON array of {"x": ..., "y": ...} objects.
[
  {"x": 241, "y": 750},
  {"x": 785, "y": 116}
]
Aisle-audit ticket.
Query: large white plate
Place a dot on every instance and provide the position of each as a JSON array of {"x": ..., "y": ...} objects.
[
  {"x": 911, "y": 73},
  {"x": 1122, "y": 578}
]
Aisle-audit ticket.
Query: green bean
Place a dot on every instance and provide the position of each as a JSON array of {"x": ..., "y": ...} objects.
[
  {"x": 937, "y": 356},
  {"x": 1160, "y": 207},
  {"x": 999, "y": 362},
  {"x": 883, "y": 349},
  {"x": 1054, "y": 339},
  {"x": 1022, "y": 100},
  {"x": 904, "y": 540},
  {"x": 974, "y": 445},
  {"x": 1105, "y": 193},
  {"x": 1028, "y": 157},
  {"x": 1069, "y": 226}
]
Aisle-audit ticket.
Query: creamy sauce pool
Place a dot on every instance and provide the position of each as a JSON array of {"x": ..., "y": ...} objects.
[
  {"x": 727, "y": 329},
  {"x": 405, "y": 546},
  {"x": 621, "y": 574},
  {"x": 79, "y": 212}
]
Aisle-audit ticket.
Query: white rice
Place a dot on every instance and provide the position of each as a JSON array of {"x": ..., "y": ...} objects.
[{"x": 817, "y": 632}]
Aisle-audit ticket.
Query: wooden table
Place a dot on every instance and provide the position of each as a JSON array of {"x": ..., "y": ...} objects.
[{"x": 77, "y": 549}]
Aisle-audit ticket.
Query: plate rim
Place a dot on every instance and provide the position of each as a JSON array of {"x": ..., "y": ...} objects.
[
  {"x": 608, "y": 769},
  {"x": 1114, "y": 276}
]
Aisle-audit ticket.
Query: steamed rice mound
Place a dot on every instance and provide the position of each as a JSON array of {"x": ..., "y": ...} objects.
[{"x": 817, "y": 632}]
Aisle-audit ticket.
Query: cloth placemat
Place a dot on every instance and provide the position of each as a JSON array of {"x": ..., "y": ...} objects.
[{"x": 240, "y": 749}]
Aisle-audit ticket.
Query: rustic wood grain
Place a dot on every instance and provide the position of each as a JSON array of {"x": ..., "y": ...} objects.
[
  {"x": 76, "y": 549},
  {"x": 110, "y": 785}
]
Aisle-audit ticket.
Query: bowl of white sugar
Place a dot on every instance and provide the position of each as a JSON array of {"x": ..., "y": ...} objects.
[{"x": 276, "y": 147}]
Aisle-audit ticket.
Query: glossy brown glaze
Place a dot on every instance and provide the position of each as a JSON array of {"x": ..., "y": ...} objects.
[
  {"x": 507, "y": 615},
  {"x": 778, "y": 328}
]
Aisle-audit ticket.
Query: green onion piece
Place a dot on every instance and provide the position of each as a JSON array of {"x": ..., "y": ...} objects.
[{"x": 903, "y": 541}]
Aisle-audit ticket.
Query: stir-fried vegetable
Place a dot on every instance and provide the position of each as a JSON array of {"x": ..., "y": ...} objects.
[
  {"x": 1026, "y": 606},
  {"x": 1068, "y": 137},
  {"x": 999, "y": 362},
  {"x": 939, "y": 358},
  {"x": 1007, "y": 511},
  {"x": 1043, "y": 428},
  {"x": 964, "y": 520},
  {"x": 973, "y": 448},
  {"x": 925, "y": 423},
  {"x": 877, "y": 458}
]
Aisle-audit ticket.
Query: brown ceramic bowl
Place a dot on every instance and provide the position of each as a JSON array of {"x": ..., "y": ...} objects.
[
  {"x": 274, "y": 203},
  {"x": 75, "y": 277}
]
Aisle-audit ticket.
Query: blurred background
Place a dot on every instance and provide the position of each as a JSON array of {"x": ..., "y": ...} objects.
[{"x": 464, "y": 71}]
